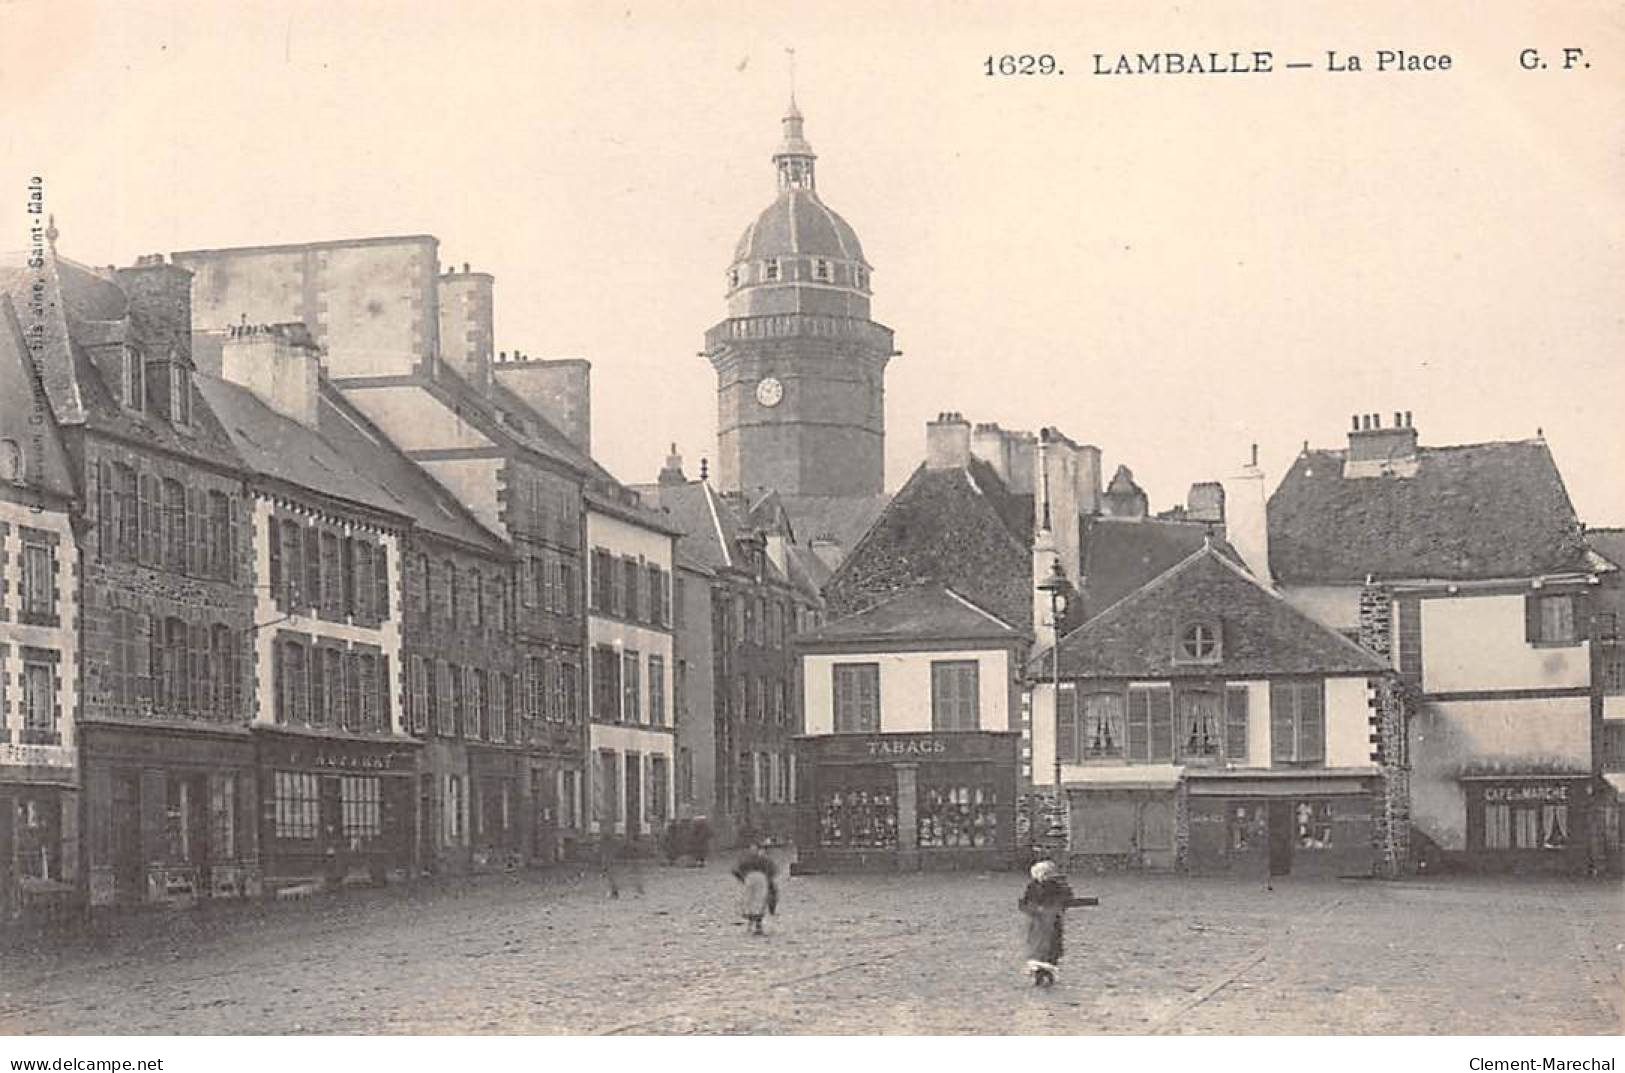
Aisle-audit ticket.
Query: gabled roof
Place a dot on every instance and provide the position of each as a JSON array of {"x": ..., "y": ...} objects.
[
  {"x": 929, "y": 613},
  {"x": 79, "y": 307},
  {"x": 344, "y": 458},
  {"x": 843, "y": 519},
  {"x": 1488, "y": 510},
  {"x": 1260, "y": 633},
  {"x": 1122, "y": 554},
  {"x": 27, "y": 425},
  {"x": 706, "y": 521},
  {"x": 943, "y": 527}
]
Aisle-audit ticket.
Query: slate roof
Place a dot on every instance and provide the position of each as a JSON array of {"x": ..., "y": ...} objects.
[
  {"x": 43, "y": 462},
  {"x": 947, "y": 527},
  {"x": 843, "y": 519},
  {"x": 83, "y": 307},
  {"x": 798, "y": 223},
  {"x": 343, "y": 457},
  {"x": 926, "y": 613},
  {"x": 1485, "y": 510},
  {"x": 1122, "y": 554},
  {"x": 1609, "y": 543},
  {"x": 1260, "y": 633}
]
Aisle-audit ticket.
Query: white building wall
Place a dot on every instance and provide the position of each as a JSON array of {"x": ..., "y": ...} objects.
[
  {"x": 386, "y": 636},
  {"x": 62, "y": 638},
  {"x": 905, "y": 688},
  {"x": 1518, "y": 735},
  {"x": 1348, "y": 723},
  {"x": 623, "y": 539},
  {"x": 1477, "y": 643},
  {"x": 1333, "y": 606}
]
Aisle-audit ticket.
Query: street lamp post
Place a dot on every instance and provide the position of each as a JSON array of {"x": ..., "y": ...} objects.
[{"x": 1059, "y": 590}]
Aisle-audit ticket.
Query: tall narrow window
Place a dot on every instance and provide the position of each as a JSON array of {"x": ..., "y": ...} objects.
[
  {"x": 955, "y": 695},
  {"x": 217, "y": 540},
  {"x": 1298, "y": 721},
  {"x": 38, "y": 580},
  {"x": 632, "y": 686},
  {"x": 39, "y": 702},
  {"x": 180, "y": 393},
  {"x": 857, "y": 698},
  {"x": 1201, "y": 722},
  {"x": 1150, "y": 723},
  {"x": 1101, "y": 733},
  {"x": 657, "y": 691},
  {"x": 174, "y": 524},
  {"x": 135, "y": 379}
]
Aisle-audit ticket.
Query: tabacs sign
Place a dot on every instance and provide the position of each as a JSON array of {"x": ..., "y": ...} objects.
[{"x": 916, "y": 748}]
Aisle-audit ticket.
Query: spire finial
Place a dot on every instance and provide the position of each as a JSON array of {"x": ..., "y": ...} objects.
[
  {"x": 50, "y": 231},
  {"x": 792, "y": 54}
]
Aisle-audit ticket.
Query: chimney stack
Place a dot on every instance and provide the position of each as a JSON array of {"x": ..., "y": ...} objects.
[
  {"x": 160, "y": 306},
  {"x": 672, "y": 471},
  {"x": 990, "y": 444},
  {"x": 1373, "y": 443},
  {"x": 279, "y": 363},
  {"x": 467, "y": 331},
  {"x": 947, "y": 442},
  {"x": 1246, "y": 519},
  {"x": 561, "y": 391}
]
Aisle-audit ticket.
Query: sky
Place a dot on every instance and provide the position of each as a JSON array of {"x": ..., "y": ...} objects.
[{"x": 1172, "y": 268}]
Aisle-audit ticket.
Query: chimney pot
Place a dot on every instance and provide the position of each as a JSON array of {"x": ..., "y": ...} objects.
[
  {"x": 465, "y": 267},
  {"x": 1399, "y": 419},
  {"x": 1407, "y": 419},
  {"x": 1356, "y": 425},
  {"x": 1255, "y": 454}
]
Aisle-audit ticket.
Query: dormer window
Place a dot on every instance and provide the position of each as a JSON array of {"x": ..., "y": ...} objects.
[
  {"x": 770, "y": 271},
  {"x": 1198, "y": 643},
  {"x": 180, "y": 394},
  {"x": 733, "y": 279},
  {"x": 858, "y": 278},
  {"x": 821, "y": 270},
  {"x": 133, "y": 380}
]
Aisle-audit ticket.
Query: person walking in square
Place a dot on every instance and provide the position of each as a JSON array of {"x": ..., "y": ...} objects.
[
  {"x": 759, "y": 891},
  {"x": 1045, "y": 901}
]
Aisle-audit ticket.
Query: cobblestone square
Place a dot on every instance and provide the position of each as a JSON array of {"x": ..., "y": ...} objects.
[{"x": 931, "y": 954}]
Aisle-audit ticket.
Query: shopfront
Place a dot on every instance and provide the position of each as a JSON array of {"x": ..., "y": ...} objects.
[
  {"x": 1531, "y": 823},
  {"x": 499, "y": 806},
  {"x": 906, "y": 802},
  {"x": 170, "y": 814},
  {"x": 39, "y": 827},
  {"x": 335, "y": 810},
  {"x": 1281, "y": 825}
]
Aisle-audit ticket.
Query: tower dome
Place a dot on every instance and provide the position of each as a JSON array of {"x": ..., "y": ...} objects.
[
  {"x": 800, "y": 366},
  {"x": 798, "y": 245}
]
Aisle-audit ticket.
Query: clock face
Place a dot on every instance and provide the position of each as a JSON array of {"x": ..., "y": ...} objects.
[{"x": 769, "y": 392}]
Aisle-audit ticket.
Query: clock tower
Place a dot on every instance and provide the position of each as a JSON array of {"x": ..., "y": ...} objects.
[{"x": 800, "y": 366}]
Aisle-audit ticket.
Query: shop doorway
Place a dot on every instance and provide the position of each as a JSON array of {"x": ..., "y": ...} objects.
[{"x": 1281, "y": 832}]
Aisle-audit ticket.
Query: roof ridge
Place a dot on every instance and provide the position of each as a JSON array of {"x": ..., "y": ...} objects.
[{"x": 990, "y": 616}]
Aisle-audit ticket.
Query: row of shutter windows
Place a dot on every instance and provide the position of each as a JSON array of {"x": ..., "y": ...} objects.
[
  {"x": 316, "y": 568},
  {"x": 161, "y": 522}
]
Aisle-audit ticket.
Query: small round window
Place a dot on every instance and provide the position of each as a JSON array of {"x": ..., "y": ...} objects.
[{"x": 1199, "y": 641}]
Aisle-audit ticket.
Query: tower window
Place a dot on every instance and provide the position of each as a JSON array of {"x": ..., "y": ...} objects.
[
  {"x": 770, "y": 271},
  {"x": 733, "y": 278},
  {"x": 858, "y": 277},
  {"x": 821, "y": 270}
]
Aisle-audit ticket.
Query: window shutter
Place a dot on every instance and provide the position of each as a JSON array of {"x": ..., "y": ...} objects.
[
  {"x": 347, "y": 572},
  {"x": 385, "y": 720},
  {"x": 196, "y": 563},
  {"x": 106, "y": 527},
  {"x": 1161, "y": 701},
  {"x": 320, "y": 687},
  {"x": 1235, "y": 730},
  {"x": 313, "y": 567},
  {"x": 380, "y": 582},
  {"x": 1531, "y": 618},
  {"x": 274, "y": 546},
  {"x": 147, "y": 509},
  {"x": 234, "y": 507},
  {"x": 1312, "y": 722},
  {"x": 1139, "y": 724},
  {"x": 1283, "y": 721},
  {"x": 1066, "y": 724}
]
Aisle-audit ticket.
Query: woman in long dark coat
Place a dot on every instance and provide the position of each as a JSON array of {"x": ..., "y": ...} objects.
[{"x": 1045, "y": 901}]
